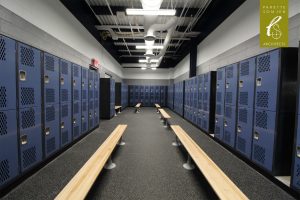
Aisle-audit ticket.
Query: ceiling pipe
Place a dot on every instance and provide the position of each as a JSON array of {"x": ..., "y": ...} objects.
[{"x": 160, "y": 27}]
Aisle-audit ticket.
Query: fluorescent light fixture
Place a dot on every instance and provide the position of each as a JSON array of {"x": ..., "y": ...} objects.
[
  {"x": 149, "y": 47},
  {"x": 165, "y": 12},
  {"x": 143, "y": 68},
  {"x": 143, "y": 61},
  {"x": 154, "y": 60},
  {"x": 153, "y": 68},
  {"x": 150, "y": 61}
]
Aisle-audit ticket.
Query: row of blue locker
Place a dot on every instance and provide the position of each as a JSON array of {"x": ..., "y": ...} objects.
[
  {"x": 147, "y": 95},
  {"x": 45, "y": 103},
  {"x": 178, "y": 97},
  {"x": 124, "y": 95}
]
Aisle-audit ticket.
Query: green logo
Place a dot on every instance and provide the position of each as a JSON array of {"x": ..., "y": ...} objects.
[{"x": 274, "y": 23}]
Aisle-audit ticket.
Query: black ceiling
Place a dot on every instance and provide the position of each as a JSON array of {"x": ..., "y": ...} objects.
[{"x": 214, "y": 15}]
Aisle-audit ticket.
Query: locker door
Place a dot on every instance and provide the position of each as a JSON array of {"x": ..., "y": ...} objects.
[
  {"x": 152, "y": 97},
  {"x": 205, "y": 121},
  {"x": 65, "y": 81},
  {"x": 199, "y": 118},
  {"x": 246, "y": 83},
  {"x": 267, "y": 76},
  {"x": 244, "y": 131},
  {"x": 91, "y": 99},
  {"x": 231, "y": 84},
  {"x": 157, "y": 94},
  {"x": 220, "y": 91},
  {"x": 263, "y": 138},
  {"x": 84, "y": 117},
  {"x": 142, "y": 94},
  {"x": 200, "y": 92},
  {"x": 30, "y": 137},
  {"x": 147, "y": 96},
  {"x": 29, "y": 74},
  {"x": 9, "y": 163},
  {"x": 96, "y": 98},
  {"x": 76, "y": 119},
  {"x": 131, "y": 95},
  {"x": 137, "y": 93},
  {"x": 230, "y": 125},
  {"x": 66, "y": 123},
  {"x": 219, "y": 127},
  {"x": 295, "y": 181},
  {"x": 51, "y": 79},
  {"x": 84, "y": 100},
  {"x": 8, "y": 74},
  {"x": 51, "y": 129},
  {"x": 112, "y": 98}
]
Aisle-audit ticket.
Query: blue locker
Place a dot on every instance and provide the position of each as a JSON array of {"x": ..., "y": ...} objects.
[
  {"x": 200, "y": 92},
  {"x": 206, "y": 89},
  {"x": 51, "y": 79},
  {"x": 163, "y": 93},
  {"x": 65, "y": 81},
  {"x": 147, "y": 95},
  {"x": 295, "y": 181},
  {"x": 157, "y": 94},
  {"x": 219, "y": 127},
  {"x": 76, "y": 119},
  {"x": 66, "y": 123},
  {"x": 267, "y": 79},
  {"x": 30, "y": 137},
  {"x": 131, "y": 95},
  {"x": 91, "y": 99},
  {"x": 264, "y": 138},
  {"x": 231, "y": 84},
  {"x": 84, "y": 100},
  {"x": 9, "y": 163},
  {"x": 246, "y": 83},
  {"x": 205, "y": 121},
  {"x": 29, "y": 74},
  {"x": 51, "y": 129},
  {"x": 244, "y": 131},
  {"x": 112, "y": 97},
  {"x": 171, "y": 96},
  {"x": 195, "y": 108},
  {"x": 142, "y": 94},
  {"x": 152, "y": 95},
  {"x": 96, "y": 98},
  {"x": 8, "y": 74},
  {"x": 220, "y": 91},
  {"x": 230, "y": 125},
  {"x": 137, "y": 94}
]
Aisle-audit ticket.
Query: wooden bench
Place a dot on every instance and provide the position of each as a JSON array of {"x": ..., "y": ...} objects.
[
  {"x": 218, "y": 180},
  {"x": 81, "y": 183},
  {"x": 117, "y": 108},
  {"x": 157, "y": 106},
  {"x": 137, "y": 107},
  {"x": 164, "y": 116}
]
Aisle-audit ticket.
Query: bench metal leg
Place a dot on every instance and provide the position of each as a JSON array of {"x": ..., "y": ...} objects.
[
  {"x": 121, "y": 142},
  {"x": 116, "y": 114},
  {"x": 119, "y": 110},
  {"x": 189, "y": 165},
  {"x": 109, "y": 164},
  {"x": 176, "y": 143},
  {"x": 165, "y": 123}
]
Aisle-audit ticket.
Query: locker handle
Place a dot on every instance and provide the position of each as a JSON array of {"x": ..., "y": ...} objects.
[
  {"x": 218, "y": 86},
  {"x": 227, "y": 85},
  {"x": 82, "y": 83},
  {"x": 82, "y": 118},
  {"x": 90, "y": 85},
  {"x": 298, "y": 151},
  {"x": 225, "y": 123},
  {"x": 256, "y": 135},
  {"x": 241, "y": 84},
  {"x": 47, "y": 131},
  {"x": 217, "y": 120},
  {"x": 74, "y": 120},
  {"x": 258, "y": 81},
  {"x": 62, "y": 81},
  {"x": 62, "y": 125},
  {"x": 46, "y": 79},
  {"x": 90, "y": 115},
  {"x": 23, "y": 139},
  {"x": 239, "y": 129},
  {"x": 22, "y": 75},
  {"x": 74, "y": 82}
]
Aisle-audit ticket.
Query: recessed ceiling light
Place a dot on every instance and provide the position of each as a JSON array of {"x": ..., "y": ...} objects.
[
  {"x": 143, "y": 68},
  {"x": 153, "y": 68},
  {"x": 166, "y": 12},
  {"x": 149, "y": 47},
  {"x": 143, "y": 61}
]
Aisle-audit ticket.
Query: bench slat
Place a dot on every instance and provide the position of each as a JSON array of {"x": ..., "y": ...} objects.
[
  {"x": 80, "y": 184},
  {"x": 138, "y": 105},
  {"x": 164, "y": 114},
  {"x": 222, "y": 185},
  {"x": 157, "y": 105},
  {"x": 117, "y": 107}
]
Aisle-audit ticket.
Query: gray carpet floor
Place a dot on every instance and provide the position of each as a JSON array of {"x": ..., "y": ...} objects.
[{"x": 148, "y": 166}]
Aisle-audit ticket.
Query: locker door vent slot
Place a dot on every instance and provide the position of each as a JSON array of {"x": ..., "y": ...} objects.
[
  {"x": 4, "y": 171},
  {"x": 91, "y": 105},
  {"x": 84, "y": 74},
  {"x": 205, "y": 96},
  {"x": 229, "y": 97},
  {"x": 64, "y": 137},
  {"x": 3, "y": 97},
  {"x": 261, "y": 118},
  {"x": 51, "y": 145},
  {"x": 229, "y": 72},
  {"x": 243, "y": 98},
  {"x": 84, "y": 106},
  {"x": 227, "y": 136},
  {"x": 91, "y": 94},
  {"x": 217, "y": 130},
  {"x": 219, "y": 97},
  {"x": 28, "y": 118},
  {"x": 64, "y": 68},
  {"x": 241, "y": 144},
  {"x": 64, "y": 110},
  {"x": 3, "y": 124},
  {"x": 84, "y": 126},
  {"x": 50, "y": 114},
  {"x": 76, "y": 108},
  {"x": 84, "y": 94},
  {"x": 244, "y": 68},
  {"x": 76, "y": 95},
  {"x": 219, "y": 75},
  {"x": 27, "y": 96},
  {"x": 259, "y": 153},
  {"x": 96, "y": 94},
  {"x": 205, "y": 124},
  {"x": 27, "y": 57},
  {"x": 228, "y": 112},
  {"x": 76, "y": 71},
  {"x": 2, "y": 49},
  {"x": 243, "y": 115},
  {"x": 262, "y": 99},
  {"x": 76, "y": 131},
  {"x": 64, "y": 95},
  {"x": 29, "y": 156},
  {"x": 50, "y": 95},
  {"x": 96, "y": 104},
  {"x": 49, "y": 63},
  {"x": 264, "y": 63},
  {"x": 205, "y": 106}
]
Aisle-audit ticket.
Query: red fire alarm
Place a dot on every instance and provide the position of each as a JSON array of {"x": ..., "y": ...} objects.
[{"x": 94, "y": 63}]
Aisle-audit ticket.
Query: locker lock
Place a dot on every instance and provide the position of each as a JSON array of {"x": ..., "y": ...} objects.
[
  {"x": 256, "y": 135},
  {"x": 227, "y": 85},
  {"x": 62, "y": 125},
  {"x": 74, "y": 82},
  {"x": 90, "y": 115},
  {"x": 23, "y": 139},
  {"x": 241, "y": 84},
  {"x": 258, "y": 81},
  {"x": 74, "y": 120},
  {"x": 298, "y": 151},
  {"x": 217, "y": 120},
  {"x": 82, "y": 83},
  {"x": 22, "y": 75},
  {"x": 62, "y": 81},
  {"x": 90, "y": 85},
  {"x": 239, "y": 129},
  {"x": 47, "y": 131},
  {"x": 46, "y": 79},
  {"x": 225, "y": 123},
  {"x": 82, "y": 118}
]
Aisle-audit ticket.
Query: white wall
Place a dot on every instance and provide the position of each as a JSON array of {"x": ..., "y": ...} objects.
[
  {"x": 52, "y": 17},
  {"x": 239, "y": 27},
  {"x": 182, "y": 67},
  {"x": 147, "y": 74}
]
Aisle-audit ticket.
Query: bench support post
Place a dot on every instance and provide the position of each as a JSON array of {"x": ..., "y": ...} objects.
[
  {"x": 121, "y": 142},
  {"x": 176, "y": 143},
  {"x": 165, "y": 123},
  {"x": 116, "y": 113},
  {"x": 119, "y": 110},
  {"x": 109, "y": 164},
  {"x": 189, "y": 165}
]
